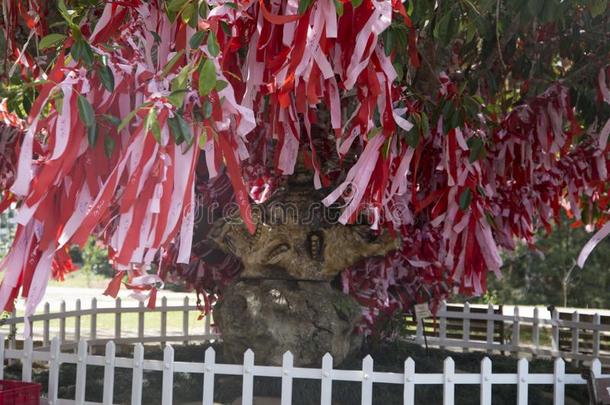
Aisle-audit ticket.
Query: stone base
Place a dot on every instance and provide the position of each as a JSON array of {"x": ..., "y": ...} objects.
[{"x": 271, "y": 317}]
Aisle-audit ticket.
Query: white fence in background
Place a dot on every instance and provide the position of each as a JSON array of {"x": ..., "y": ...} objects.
[
  {"x": 367, "y": 376},
  {"x": 145, "y": 333},
  {"x": 588, "y": 340},
  {"x": 462, "y": 329}
]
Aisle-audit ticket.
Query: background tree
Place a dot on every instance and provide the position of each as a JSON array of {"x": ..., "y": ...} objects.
[
  {"x": 551, "y": 276},
  {"x": 458, "y": 125}
]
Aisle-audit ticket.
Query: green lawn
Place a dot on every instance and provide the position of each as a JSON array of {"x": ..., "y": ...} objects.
[{"x": 82, "y": 279}]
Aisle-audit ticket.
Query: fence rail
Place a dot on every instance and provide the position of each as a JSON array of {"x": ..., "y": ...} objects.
[
  {"x": 209, "y": 369},
  {"x": 70, "y": 336},
  {"x": 587, "y": 339},
  {"x": 575, "y": 336}
]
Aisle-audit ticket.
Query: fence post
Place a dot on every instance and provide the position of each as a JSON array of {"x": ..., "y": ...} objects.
[
  {"x": 516, "y": 331},
  {"x": 522, "y": 384},
  {"x": 53, "y": 371},
  {"x": 163, "y": 319},
  {"x": 575, "y": 333},
  {"x": 490, "y": 328},
  {"x": 555, "y": 332},
  {"x": 117, "y": 319},
  {"x": 486, "y": 381},
  {"x": 109, "y": 373},
  {"x": 207, "y": 326},
  {"x": 466, "y": 327},
  {"x": 208, "y": 376},
  {"x": 558, "y": 382},
  {"x": 12, "y": 338},
  {"x": 287, "y": 362},
  {"x": 536, "y": 332},
  {"x": 136, "y": 379},
  {"x": 448, "y": 381},
  {"x": 26, "y": 370},
  {"x": 596, "y": 324},
  {"x": 185, "y": 320},
  {"x": 596, "y": 368},
  {"x": 167, "y": 394},
  {"x": 367, "y": 380},
  {"x": 46, "y": 325},
  {"x": 77, "y": 321},
  {"x": 409, "y": 389},
  {"x": 442, "y": 331},
  {"x": 140, "y": 320},
  {"x": 247, "y": 388},
  {"x": 419, "y": 330},
  {"x": 81, "y": 372},
  {"x": 93, "y": 332},
  {"x": 326, "y": 393},
  {"x": 62, "y": 322}
]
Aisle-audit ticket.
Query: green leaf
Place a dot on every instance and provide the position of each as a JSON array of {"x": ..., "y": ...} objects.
[
  {"x": 476, "y": 149},
  {"x": 388, "y": 41},
  {"x": 465, "y": 199},
  {"x": 232, "y": 5},
  {"x": 81, "y": 50},
  {"x": 204, "y": 9},
  {"x": 213, "y": 46},
  {"x": 178, "y": 87},
  {"x": 189, "y": 15},
  {"x": 220, "y": 85},
  {"x": 156, "y": 36},
  {"x": 152, "y": 125},
  {"x": 339, "y": 8},
  {"x": 207, "y": 109},
  {"x": 181, "y": 129},
  {"x": 126, "y": 120},
  {"x": 112, "y": 119},
  {"x": 598, "y": 7},
  {"x": 109, "y": 144},
  {"x": 51, "y": 40},
  {"x": 425, "y": 124},
  {"x": 196, "y": 39},
  {"x": 63, "y": 10},
  {"x": 92, "y": 133},
  {"x": 86, "y": 111},
  {"x": 445, "y": 27},
  {"x": 107, "y": 78},
  {"x": 203, "y": 139},
  {"x": 207, "y": 78},
  {"x": 413, "y": 137},
  {"x": 175, "y": 5},
  {"x": 170, "y": 64},
  {"x": 175, "y": 129},
  {"x": 357, "y": 3},
  {"x": 303, "y": 6}
]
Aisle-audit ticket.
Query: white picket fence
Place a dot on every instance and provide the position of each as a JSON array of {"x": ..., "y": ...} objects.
[
  {"x": 367, "y": 376},
  {"x": 146, "y": 332},
  {"x": 524, "y": 333},
  {"x": 515, "y": 325}
]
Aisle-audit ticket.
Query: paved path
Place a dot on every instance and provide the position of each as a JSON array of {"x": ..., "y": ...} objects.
[{"x": 54, "y": 295}]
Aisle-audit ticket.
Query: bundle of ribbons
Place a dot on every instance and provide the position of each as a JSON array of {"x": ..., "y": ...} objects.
[{"x": 212, "y": 106}]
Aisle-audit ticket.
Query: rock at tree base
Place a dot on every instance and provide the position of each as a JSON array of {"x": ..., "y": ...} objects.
[{"x": 271, "y": 317}]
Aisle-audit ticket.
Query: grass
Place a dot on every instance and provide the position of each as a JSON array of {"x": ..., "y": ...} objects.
[
  {"x": 129, "y": 325},
  {"x": 82, "y": 279}
]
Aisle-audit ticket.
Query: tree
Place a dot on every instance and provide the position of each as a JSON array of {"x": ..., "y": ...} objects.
[
  {"x": 550, "y": 274},
  {"x": 458, "y": 125}
]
